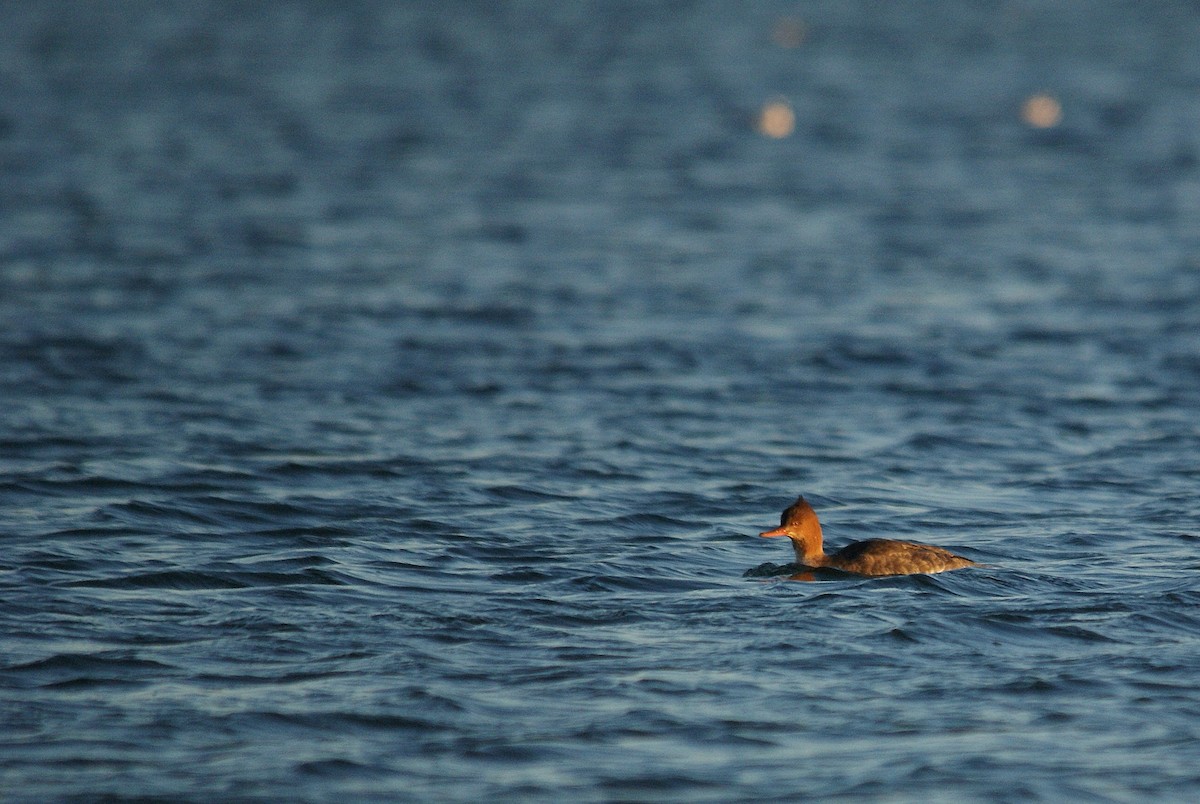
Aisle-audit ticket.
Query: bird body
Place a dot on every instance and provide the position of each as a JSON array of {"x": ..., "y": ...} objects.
[{"x": 869, "y": 557}]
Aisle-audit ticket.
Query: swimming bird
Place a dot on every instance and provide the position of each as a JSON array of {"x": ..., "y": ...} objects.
[{"x": 871, "y": 557}]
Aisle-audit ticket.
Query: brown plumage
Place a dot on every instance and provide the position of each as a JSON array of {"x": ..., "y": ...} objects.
[{"x": 871, "y": 557}]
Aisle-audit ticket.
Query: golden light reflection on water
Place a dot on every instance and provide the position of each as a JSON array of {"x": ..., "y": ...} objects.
[
  {"x": 1041, "y": 111},
  {"x": 776, "y": 120}
]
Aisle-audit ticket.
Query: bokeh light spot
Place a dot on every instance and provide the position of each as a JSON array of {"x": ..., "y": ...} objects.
[
  {"x": 1041, "y": 111},
  {"x": 776, "y": 120}
]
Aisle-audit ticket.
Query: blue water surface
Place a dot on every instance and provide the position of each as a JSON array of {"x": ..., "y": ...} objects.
[{"x": 392, "y": 394}]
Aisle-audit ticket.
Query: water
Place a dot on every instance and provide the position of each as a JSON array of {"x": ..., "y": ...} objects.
[{"x": 391, "y": 399}]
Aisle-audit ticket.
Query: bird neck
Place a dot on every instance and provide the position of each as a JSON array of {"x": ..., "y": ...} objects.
[{"x": 808, "y": 543}]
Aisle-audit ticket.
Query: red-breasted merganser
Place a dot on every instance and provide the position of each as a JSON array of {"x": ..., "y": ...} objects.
[{"x": 871, "y": 557}]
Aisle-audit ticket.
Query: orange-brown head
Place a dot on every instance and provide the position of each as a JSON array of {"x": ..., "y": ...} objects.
[{"x": 799, "y": 523}]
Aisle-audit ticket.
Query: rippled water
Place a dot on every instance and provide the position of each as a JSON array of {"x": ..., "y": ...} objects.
[{"x": 392, "y": 399}]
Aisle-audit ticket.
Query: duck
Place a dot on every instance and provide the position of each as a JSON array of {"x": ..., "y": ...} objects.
[{"x": 872, "y": 557}]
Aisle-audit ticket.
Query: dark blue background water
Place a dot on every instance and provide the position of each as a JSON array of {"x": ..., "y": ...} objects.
[{"x": 391, "y": 398}]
